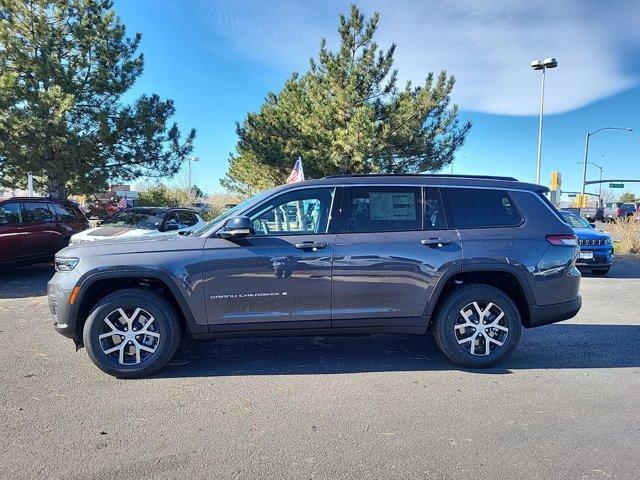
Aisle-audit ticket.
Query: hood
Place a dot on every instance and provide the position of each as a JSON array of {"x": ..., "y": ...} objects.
[
  {"x": 99, "y": 233},
  {"x": 170, "y": 242},
  {"x": 591, "y": 234}
]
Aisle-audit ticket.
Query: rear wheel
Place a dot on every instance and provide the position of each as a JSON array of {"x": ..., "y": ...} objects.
[
  {"x": 600, "y": 271},
  {"x": 132, "y": 333},
  {"x": 477, "y": 326}
]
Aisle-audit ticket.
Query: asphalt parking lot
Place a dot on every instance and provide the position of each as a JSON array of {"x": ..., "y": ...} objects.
[{"x": 565, "y": 405}]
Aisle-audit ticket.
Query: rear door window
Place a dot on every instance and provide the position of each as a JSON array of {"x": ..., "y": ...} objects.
[
  {"x": 37, "y": 212},
  {"x": 481, "y": 208},
  {"x": 10, "y": 214},
  {"x": 385, "y": 209}
]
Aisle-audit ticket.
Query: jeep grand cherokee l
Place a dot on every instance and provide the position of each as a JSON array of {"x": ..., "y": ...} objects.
[{"x": 472, "y": 259}]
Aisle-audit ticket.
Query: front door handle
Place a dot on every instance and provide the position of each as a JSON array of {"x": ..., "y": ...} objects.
[
  {"x": 310, "y": 245},
  {"x": 436, "y": 242}
]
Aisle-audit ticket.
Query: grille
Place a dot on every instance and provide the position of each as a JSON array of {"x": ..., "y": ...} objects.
[{"x": 592, "y": 242}]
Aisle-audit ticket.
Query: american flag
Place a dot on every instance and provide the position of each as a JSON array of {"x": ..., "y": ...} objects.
[
  {"x": 297, "y": 174},
  {"x": 122, "y": 204}
]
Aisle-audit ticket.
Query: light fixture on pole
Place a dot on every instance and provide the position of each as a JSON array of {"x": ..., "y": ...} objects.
[
  {"x": 586, "y": 151},
  {"x": 541, "y": 65}
]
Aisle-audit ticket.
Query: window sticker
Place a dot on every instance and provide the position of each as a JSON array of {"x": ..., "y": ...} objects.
[{"x": 392, "y": 206}]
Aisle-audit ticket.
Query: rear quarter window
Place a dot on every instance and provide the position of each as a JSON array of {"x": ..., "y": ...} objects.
[{"x": 478, "y": 208}]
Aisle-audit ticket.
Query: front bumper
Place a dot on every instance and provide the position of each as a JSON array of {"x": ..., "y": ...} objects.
[
  {"x": 602, "y": 257},
  {"x": 545, "y": 314},
  {"x": 59, "y": 291}
]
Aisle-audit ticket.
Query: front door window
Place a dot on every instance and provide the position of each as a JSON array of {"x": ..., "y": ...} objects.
[{"x": 300, "y": 212}]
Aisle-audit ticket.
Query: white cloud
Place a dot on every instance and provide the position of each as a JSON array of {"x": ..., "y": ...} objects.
[{"x": 487, "y": 45}]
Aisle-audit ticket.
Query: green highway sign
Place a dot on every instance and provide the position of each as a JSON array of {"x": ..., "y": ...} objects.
[
  {"x": 616, "y": 185},
  {"x": 572, "y": 195}
]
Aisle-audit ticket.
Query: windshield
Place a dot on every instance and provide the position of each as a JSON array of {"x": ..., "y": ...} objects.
[
  {"x": 136, "y": 218},
  {"x": 228, "y": 213},
  {"x": 576, "y": 221}
]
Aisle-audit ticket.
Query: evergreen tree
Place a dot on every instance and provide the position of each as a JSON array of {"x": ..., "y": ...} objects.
[
  {"x": 347, "y": 115},
  {"x": 64, "y": 66}
]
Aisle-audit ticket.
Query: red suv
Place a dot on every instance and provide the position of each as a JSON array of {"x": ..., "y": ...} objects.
[{"x": 33, "y": 229}]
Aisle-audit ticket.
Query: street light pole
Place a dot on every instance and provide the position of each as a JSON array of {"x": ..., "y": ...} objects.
[
  {"x": 600, "y": 178},
  {"x": 191, "y": 159},
  {"x": 586, "y": 151},
  {"x": 541, "y": 65},
  {"x": 539, "y": 157}
]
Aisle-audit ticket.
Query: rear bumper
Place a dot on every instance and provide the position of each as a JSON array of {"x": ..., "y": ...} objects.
[{"x": 545, "y": 314}]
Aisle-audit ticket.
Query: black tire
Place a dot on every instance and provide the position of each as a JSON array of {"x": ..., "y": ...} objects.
[
  {"x": 449, "y": 315},
  {"x": 600, "y": 271},
  {"x": 167, "y": 327}
]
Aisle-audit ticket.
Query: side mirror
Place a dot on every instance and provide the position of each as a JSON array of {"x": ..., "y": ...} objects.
[
  {"x": 237, "y": 227},
  {"x": 3, "y": 220}
]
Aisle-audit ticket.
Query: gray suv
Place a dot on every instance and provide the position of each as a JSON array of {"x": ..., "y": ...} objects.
[{"x": 472, "y": 259}]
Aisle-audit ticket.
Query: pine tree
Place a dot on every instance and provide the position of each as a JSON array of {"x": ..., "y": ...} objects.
[
  {"x": 347, "y": 115},
  {"x": 64, "y": 66}
]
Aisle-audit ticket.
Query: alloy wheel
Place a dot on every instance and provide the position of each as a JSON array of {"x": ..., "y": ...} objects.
[
  {"x": 129, "y": 335},
  {"x": 481, "y": 328}
]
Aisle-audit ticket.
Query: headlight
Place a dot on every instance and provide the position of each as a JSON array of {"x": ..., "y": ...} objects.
[{"x": 65, "y": 264}]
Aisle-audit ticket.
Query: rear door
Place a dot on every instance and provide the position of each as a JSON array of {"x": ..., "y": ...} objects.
[
  {"x": 44, "y": 236},
  {"x": 488, "y": 221},
  {"x": 12, "y": 234},
  {"x": 279, "y": 277},
  {"x": 390, "y": 252}
]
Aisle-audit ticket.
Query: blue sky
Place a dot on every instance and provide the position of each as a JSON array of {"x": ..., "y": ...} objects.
[{"x": 218, "y": 58}]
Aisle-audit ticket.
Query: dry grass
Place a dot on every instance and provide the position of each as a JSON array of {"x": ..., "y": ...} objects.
[
  {"x": 627, "y": 233},
  {"x": 219, "y": 202}
]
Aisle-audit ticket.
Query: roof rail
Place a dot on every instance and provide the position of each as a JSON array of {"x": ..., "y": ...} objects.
[{"x": 439, "y": 175}]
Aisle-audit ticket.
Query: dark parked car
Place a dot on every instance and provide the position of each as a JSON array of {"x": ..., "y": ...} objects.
[
  {"x": 471, "y": 259},
  {"x": 33, "y": 229},
  {"x": 596, "y": 248}
]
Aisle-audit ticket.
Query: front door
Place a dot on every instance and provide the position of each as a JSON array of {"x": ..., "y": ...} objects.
[
  {"x": 389, "y": 255},
  {"x": 12, "y": 235},
  {"x": 279, "y": 277}
]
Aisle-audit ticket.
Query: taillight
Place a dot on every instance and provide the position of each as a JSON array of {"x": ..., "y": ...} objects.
[
  {"x": 618, "y": 212},
  {"x": 569, "y": 240}
]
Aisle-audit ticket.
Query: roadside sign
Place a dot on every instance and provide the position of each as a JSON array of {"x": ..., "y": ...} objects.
[
  {"x": 572, "y": 195},
  {"x": 616, "y": 185}
]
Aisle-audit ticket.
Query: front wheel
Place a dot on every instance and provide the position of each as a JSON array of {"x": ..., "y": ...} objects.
[
  {"x": 132, "y": 333},
  {"x": 477, "y": 326}
]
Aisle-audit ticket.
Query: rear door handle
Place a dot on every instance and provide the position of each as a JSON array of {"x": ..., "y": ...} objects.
[
  {"x": 310, "y": 246},
  {"x": 436, "y": 242}
]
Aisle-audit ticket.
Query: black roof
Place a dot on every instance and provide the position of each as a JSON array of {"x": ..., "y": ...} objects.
[
  {"x": 37, "y": 199},
  {"x": 429, "y": 179}
]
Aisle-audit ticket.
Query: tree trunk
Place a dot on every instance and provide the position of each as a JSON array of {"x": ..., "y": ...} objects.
[{"x": 57, "y": 186}]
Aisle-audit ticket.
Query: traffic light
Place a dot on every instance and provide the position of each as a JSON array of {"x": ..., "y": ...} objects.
[{"x": 556, "y": 181}]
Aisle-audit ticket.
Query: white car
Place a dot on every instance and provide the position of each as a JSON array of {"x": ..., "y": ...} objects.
[{"x": 141, "y": 222}]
